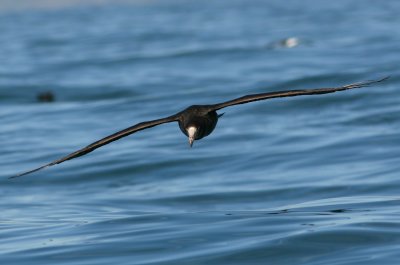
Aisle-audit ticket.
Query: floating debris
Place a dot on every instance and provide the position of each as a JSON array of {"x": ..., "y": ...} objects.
[
  {"x": 47, "y": 96},
  {"x": 289, "y": 42}
]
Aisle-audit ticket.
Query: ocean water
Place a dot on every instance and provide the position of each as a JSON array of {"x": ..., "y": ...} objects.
[{"x": 305, "y": 180}]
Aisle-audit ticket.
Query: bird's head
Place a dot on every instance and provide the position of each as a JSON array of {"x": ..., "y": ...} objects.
[{"x": 191, "y": 133}]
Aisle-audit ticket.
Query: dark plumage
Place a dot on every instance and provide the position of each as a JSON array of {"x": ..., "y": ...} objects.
[{"x": 198, "y": 121}]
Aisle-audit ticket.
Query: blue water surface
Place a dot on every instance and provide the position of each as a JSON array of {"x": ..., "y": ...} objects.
[{"x": 306, "y": 180}]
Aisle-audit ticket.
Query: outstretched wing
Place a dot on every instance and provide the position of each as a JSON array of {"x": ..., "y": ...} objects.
[
  {"x": 106, "y": 140},
  {"x": 291, "y": 93}
]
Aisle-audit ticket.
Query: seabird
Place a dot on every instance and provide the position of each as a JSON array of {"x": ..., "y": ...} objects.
[{"x": 198, "y": 121}]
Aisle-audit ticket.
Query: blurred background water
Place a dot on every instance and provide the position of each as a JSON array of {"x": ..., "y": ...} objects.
[{"x": 305, "y": 180}]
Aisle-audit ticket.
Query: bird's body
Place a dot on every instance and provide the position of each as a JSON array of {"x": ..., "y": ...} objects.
[
  {"x": 198, "y": 121},
  {"x": 200, "y": 117}
]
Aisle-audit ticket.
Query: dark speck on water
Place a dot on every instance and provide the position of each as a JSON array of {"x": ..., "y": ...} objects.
[
  {"x": 47, "y": 96},
  {"x": 306, "y": 180}
]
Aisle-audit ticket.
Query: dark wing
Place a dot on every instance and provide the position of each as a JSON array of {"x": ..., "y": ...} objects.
[
  {"x": 291, "y": 93},
  {"x": 106, "y": 140}
]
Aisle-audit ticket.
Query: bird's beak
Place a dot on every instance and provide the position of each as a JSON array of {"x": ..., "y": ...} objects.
[
  {"x": 191, "y": 134},
  {"x": 191, "y": 140}
]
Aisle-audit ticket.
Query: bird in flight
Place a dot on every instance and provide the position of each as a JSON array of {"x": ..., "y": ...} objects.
[{"x": 198, "y": 121}]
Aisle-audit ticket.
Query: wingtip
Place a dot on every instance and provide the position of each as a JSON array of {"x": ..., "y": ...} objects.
[
  {"x": 367, "y": 83},
  {"x": 378, "y": 80},
  {"x": 17, "y": 176},
  {"x": 20, "y": 175},
  {"x": 28, "y": 172}
]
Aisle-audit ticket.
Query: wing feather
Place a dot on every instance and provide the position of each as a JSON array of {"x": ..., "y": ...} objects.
[
  {"x": 291, "y": 93},
  {"x": 104, "y": 141}
]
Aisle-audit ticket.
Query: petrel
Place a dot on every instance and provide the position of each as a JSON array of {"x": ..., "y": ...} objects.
[{"x": 198, "y": 121}]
